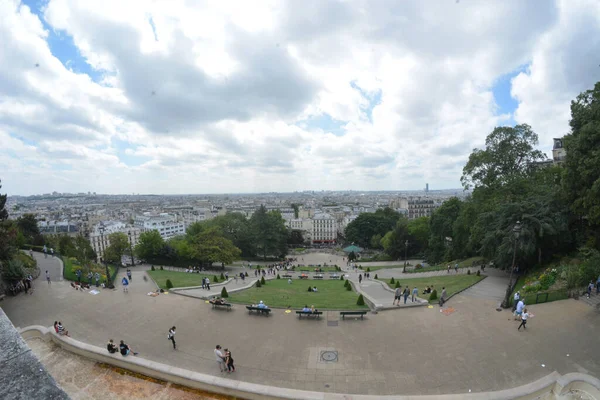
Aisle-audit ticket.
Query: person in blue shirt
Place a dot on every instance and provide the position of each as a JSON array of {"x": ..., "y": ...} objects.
[
  {"x": 306, "y": 309},
  {"x": 125, "y": 283},
  {"x": 261, "y": 305}
]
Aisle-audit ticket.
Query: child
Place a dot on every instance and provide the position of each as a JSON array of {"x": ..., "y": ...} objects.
[
  {"x": 524, "y": 317},
  {"x": 229, "y": 361}
]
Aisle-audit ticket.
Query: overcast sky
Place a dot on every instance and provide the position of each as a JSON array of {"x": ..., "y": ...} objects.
[{"x": 181, "y": 96}]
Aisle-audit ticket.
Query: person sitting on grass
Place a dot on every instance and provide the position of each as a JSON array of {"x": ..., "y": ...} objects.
[
  {"x": 315, "y": 289},
  {"x": 306, "y": 309},
  {"x": 111, "y": 347},
  {"x": 126, "y": 349},
  {"x": 427, "y": 291}
]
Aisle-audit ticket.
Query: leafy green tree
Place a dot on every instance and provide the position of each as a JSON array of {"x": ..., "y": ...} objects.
[
  {"x": 150, "y": 244},
  {"x": 84, "y": 253},
  {"x": 418, "y": 229},
  {"x": 582, "y": 174},
  {"x": 442, "y": 230},
  {"x": 394, "y": 242},
  {"x": 12, "y": 270},
  {"x": 509, "y": 154},
  {"x": 3, "y": 210},
  {"x": 237, "y": 228},
  {"x": 366, "y": 225},
  {"x": 296, "y": 208},
  {"x": 28, "y": 226},
  {"x": 376, "y": 241},
  {"x": 351, "y": 256},
  {"x": 182, "y": 247},
  {"x": 295, "y": 237},
  {"x": 119, "y": 242},
  {"x": 210, "y": 246},
  {"x": 270, "y": 232},
  {"x": 66, "y": 247}
]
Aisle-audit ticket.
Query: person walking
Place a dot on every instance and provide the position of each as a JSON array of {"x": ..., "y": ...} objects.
[
  {"x": 443, "y": 297},
  {"x": 448, "y": 268},
  {"x": 229, "y": 361},
  {"x": 207, "y": 284},
  {"x": 524, "y": 318},
  {"x": 52, "y": 251},
  {"x": 125, "y": 284},
  {"x": 204, "y": 283},
  {"x": 589, "y": 289},
  {"x": 415, "y": 293},
  {"x": 220, "y": 358},
  {"x": 519, "y": 309},
  {"x": 171, "y": 337},
  {"x": 359, "y": 279},
  {"x": 45, "y": 250},
  {"x": 397, "y": 296},
  {"x": 405, "y": 293},
  {"x": 456, "y": 267},
  {"x": 48, "y": 276},
  {"x": 129, "y": 275}
]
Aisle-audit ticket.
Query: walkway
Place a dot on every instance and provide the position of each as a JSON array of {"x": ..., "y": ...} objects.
[
  {"x": 50, "y": 263},
  {"x": 386, "y": 353}
]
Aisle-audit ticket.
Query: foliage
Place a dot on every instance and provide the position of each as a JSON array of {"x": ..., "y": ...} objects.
[
  {"x": 210, "y": 246},
  {"x": 367, "y": 225},
  {"x": 224, "y": 293},
  {"x": 169, "y": 284},
  {"x": 368, "y": 269},
  {"x": 258, "y": 284},
  {"x": 3, "y": 210},
  {"x": 360, "y": 301},
  {"x": 262, "y": 280},
  {"x": 235, "y": 227},
  {"x": 419, "y": 232},
  {"x": 349, "y": 287},
  {"x": 295, "y": 237},
  {"x": 442, "y": 229},
  {"x": 28, "y": 226},
  {"x": 433, "y": 295},
  {"x": 468, "y": 272},
  {"x": 394, "y": 241},
  {"x": 397, "y": 285},
  {"x": 161, "y": 268},
  {"x": 346, "y": 283},
  {"x": 342, "y": 277},
  {"x": 278, "y": 277},
  {"x": 376, "y": 276},
  {"x": 392, "y": 281},
  {"x": 83, "y": 251},
  {"x": 269, "y": 231},
  {"x": 178, "y": 278},
  {"x": 215, "y": 279},
  {"x": 478, "y": 272},
  {"x": 222, "y": 276},
  {"x": 149, "y": 245},
  {"x": 119, "y": 242},
  {"x": 152, "y": 268},
  {"x": 12, "y": 270},
  {"x": 351, "y": 256},
  {"x": 589, "y": 270}
]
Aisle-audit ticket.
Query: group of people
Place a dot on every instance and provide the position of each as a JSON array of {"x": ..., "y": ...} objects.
[
  {"x": 260, "y": 304},
  {"x": 123, "y": 348},
  {"x": 590, "y": 287},
  {"x": 60, "y": 329},
  {"x": 310, "y": 309},
  {"x": 400, "y": 293},
  {"x": 520, "y": 312},
  {"x": 224, "y": 359},
  {"x": 455, "y": 268}
]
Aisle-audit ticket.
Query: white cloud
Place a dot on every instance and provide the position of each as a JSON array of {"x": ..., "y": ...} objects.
[{"x": 217, "y": 96}]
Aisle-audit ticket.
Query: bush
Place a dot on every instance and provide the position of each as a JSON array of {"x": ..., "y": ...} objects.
[
  {"x": 368, "y": 269},
  {"x": 468, "y": 272},
  {"x": 349, "y": 287},
  {"x": 392, "y": 281},
  {"x": 346, "y": 283},
  {"x": 360, "y": 301},
  {"x": 418, "y": 266},
  {"x": 224, "y": 292},
  {"x": 342, "y": 278},
  {"x": 278, "y": 277},
  {"x": 222, "y": 277},
  {"x": 13, "y": 270},
  {"x": 258, "y": 284},
  {"x": 215, "y": 279},
  {"x": 433, "y": 295},
  {"x": 397, "y": 285},
  {"x": 169, "y": 284},
  {"x": 161, "y": 268},
  {"x": 152, "y": 268},
  {"x": 310, "y": 288},
  {"x": 376, "y": 276},
  {"x": 547, "y": 280},
  {"x": 478, "y": 272},
  {"x": 262, "y": 280}
]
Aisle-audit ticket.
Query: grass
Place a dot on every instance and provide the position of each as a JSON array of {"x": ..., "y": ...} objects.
[
  {"x": 332, "y": 295},
  {"x": 375, "y": 268},
  {"x": 311, "y": 268},
  {"x": 452, "y": 283},
  {"x": 443, "y": 266},
  {"x": 179, "y": 279}
]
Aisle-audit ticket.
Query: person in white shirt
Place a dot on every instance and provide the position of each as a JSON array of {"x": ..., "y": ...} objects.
[
  {"x": 519, "y": 309},
  {"x": 171, "y": 337},
  {"x": 524, "y": 318},
  {"x": 516, "y": 299},
  {"x": 220, "y": 358}
]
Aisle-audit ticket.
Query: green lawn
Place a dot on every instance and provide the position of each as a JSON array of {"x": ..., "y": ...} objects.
[
  {"x": 179, "y": 279},
  {"x": 279, "y": 293},
  {"x": 452, "y": 283},
  {"x": 443, "y": 266},
  {"x": 376, "y": 268},
  {"x": 329, "y": 268}
]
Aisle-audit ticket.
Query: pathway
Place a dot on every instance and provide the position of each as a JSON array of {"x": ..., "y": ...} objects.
[
  {"x": 50, "y": 263},
  {"x": 284, "y": 351}
]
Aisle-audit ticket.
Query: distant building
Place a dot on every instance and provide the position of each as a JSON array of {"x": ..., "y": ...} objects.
[
  {"x": 304, "y": 225},
  {"x": 100, "y": 239},
  {"x": 167, "y": 225},
  {"x": 414, "y": 207},
  {"x": 558, "y": 151},
  {"x": 324, "y": 229}
]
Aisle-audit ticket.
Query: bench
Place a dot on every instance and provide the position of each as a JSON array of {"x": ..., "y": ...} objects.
[
  {"x": 303, "y": 276},
  {"x": 334, "y": 276},
  {"x": 226, "y": 305},
  {"x": 318, "y": 277},
  {"x": 361, "y": 313},
  {"x": 265, "y": 311},
  {"x": 309, "y": 313},
  {"x": 286, "y": 276}
]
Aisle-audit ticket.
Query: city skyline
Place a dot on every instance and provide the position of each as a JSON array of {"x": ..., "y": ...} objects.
[{"x": 260, "y": 97}]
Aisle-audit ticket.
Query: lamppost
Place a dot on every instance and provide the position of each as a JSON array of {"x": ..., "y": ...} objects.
[
  {"x": 405, "y": 255},
  {"x": 517, "y": 231},
  {"x": 102, "y": 247},
  {"x": 130, "y": 247}
]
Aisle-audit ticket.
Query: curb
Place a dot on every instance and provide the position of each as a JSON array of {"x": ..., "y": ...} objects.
[{"x": 554, "y": 384}]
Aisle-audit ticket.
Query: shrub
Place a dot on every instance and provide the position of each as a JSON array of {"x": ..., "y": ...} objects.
[
  {"x": 376, "y": 276},
  {"x": 360, "y": 301},
  {"x": 397, "y": 285},
  {"x": 349, "y": 287},
  {"x": 161, "y": 268},
  {"x": 222, "y": 277},
  {"x": 215, "y": 279},
  {"x": 433, "y": 295},
  {"x": 368, "y": 269},
  {"x": 547, "y": 280},
  {"x": 310, "y": 288},
  {"x": 152, "y": 268},
  {"x": 468, "y": 272},
  {"x": 169, "y": 284},
  {"x": 346, "y": 283},
  {"x": 478, "y": 272},
  {"x": 13, "y": 270},
  {"x": 392, "y": 281},
  {"x": 262, "y": 280},
  {"x": 342, "y": 278},
  {"x": 224, "y": 292},
  {"x": 418, "y": 266},
  {"x": 258, "y": 284},
  {"x": 278, "y": 277}
]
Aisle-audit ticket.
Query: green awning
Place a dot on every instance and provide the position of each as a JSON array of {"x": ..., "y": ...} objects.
[{"x": 353, "y": 248}]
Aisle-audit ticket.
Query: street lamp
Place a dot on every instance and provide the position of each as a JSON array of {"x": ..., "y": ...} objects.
[
  {"x": 517, "y": 231},
  {"x": 102, "y": 247},
  {"x": 405, "y": 255},
  {"x": 130, "y": 248}
]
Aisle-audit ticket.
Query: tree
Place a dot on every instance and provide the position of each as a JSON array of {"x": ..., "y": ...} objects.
[
  {"x": 12, "y": 270},
  {"x": 210, "y": 246},
  {"x": 237, "y": 228},
  {"x": 351, "y": 256},
  {"x": 119, "y": 242},
  {"x": 418, "y": 229},
  {"x": 295, "y": 237},
  {"x": 509, "y": 154},
  {"x": 8, "y": 232},
  {"x": 84, "y": 253},
  {"x": 442, "y": 229},
  {"x": 28, "y": 226},
  {"x": 270, "y": 232},
  {"x": 366, "y": 225},
  {"x": 582, "y": 175},
  {"x": 3, "y": 210},
  {"x": 66, "y": 247},
  {"x": 150, "y": 244},
  {"x": 394, "y": 242},
  {"x": 296, "y": 208}
]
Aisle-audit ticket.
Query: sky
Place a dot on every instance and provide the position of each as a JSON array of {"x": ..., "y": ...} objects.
[{"x": 180, "y": 96}]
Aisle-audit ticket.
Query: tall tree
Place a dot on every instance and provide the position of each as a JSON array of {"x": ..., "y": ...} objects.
[
  {"x": 119, "y": 243},
  {"x": 270, "y": 232},
  {"x": 442, "y": 229},
  {"x": 237, "y": 228},
  {"x": 3, "y": 210},
  {"x": 508, "y": 154},
  {"x": 366, "y": 225},
  {"x": 84, "y": 253},
  {"x": 210, "y": 246},
  {"x": 418, "y": 229},
  {"x": 394, "y": 242},
  {"x": 150, "y": 245},
  {"x": 582, "y": 176},
  {"x": 28, "y": 226},
  {"x": 8, "y": 232}
]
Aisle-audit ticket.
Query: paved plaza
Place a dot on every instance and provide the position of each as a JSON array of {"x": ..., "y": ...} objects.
[{"x": 416, "y": 350}]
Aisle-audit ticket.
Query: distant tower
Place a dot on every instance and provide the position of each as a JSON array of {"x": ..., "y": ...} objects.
[{"x": 427, "y": 188}]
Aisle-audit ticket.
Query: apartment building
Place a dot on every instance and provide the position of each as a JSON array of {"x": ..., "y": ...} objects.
[
  {"x": 414, "y": 207},
  {"x": 324, "y": 229},
  {"x": 100, "y": 235},
  {"x": 167, "y": 225}
]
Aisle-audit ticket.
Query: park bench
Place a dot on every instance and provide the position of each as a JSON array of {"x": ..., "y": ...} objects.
[
  {"x": 318, "y": 277},
  {"x": 286, "y": 276},
  {"x": 309, "y": 313},
  {"x": 265, "y": 311},
  {"x": 226, "y": 305},
  {"x": 361, "y": 313},
  {"x": 303, "y": 276},
  {"x": 334, "y": 276}
]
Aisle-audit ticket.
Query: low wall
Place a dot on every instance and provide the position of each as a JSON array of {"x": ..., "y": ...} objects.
[{"x": 551, "y": 385}]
